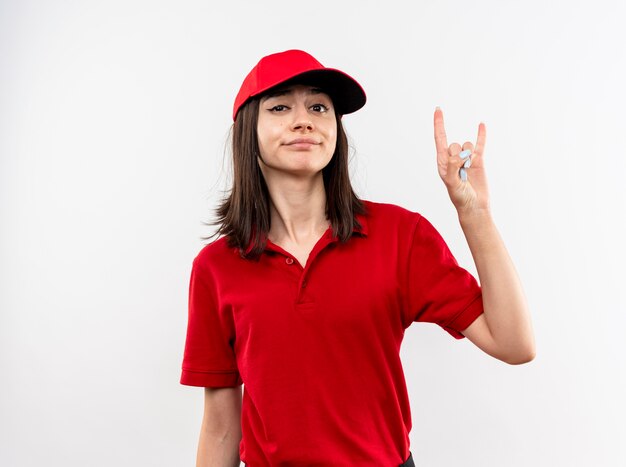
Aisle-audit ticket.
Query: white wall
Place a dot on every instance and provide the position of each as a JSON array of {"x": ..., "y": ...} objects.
[{"x": 113, "y": 122}]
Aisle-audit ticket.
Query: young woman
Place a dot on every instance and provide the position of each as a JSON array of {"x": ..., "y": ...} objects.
[{"x": 306, "y": 296}]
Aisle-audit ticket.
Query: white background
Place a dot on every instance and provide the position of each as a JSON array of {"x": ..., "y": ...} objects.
[{"x": 114, "y": 117}]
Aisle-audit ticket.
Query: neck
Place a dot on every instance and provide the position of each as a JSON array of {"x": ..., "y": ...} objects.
[{"x": 297, "y": 209}]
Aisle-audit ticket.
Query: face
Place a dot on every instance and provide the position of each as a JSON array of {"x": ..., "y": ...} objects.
[{"x": 297, "y": 132}]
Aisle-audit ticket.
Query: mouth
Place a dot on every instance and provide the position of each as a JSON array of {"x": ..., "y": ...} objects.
[{"x": 302, "y": 143}]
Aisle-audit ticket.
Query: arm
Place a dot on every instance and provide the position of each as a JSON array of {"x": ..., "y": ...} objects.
[
  {"x": 504, "y": 330},
  {"x": 221, "y": 428}
]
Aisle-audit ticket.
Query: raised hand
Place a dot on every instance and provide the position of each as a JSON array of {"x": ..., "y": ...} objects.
[{"x": 472, "y": 193}]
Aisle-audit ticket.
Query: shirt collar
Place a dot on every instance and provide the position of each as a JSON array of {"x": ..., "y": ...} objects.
[{"x": 362, "y": 230}]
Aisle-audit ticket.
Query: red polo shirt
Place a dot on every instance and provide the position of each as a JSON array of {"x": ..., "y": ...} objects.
[{"x": 317, "y": 346}]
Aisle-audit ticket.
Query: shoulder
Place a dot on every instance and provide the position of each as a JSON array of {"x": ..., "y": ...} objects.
[
  {"x": 215, "y": 253},
  {"x": 390, "y": 215},
  {"x": 391, "y": 219}
]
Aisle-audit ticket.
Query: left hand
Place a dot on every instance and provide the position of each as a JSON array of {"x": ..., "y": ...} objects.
[{"x": 472, "y": 194}]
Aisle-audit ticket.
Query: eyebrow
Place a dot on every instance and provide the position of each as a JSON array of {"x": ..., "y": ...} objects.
[{"x": 283, "y": 91}]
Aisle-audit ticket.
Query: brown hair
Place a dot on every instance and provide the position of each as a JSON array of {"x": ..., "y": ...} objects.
[{"x": 244, "y": 215}]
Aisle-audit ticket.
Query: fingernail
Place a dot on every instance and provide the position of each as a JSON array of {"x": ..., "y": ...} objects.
[
  {"x": 465, "y": 154},
  {"x": 468, "y": 163},
  {"x": 463, "y": 174},
  {"x": 437, "y": 108}
]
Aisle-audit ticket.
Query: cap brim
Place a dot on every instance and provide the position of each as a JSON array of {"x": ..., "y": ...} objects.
[{"x": 347, "y": 95}]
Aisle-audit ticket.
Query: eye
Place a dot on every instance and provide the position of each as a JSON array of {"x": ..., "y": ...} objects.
[
  {"x": 319, "y": 108},
  {"x": 278, "y": 108}
]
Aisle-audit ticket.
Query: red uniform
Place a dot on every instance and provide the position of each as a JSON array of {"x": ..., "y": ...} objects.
[{"x": 317, "y": 346}]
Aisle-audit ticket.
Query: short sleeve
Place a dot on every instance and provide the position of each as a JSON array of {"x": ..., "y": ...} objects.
[
  {"x": 209, "y": 358},
  {"x": 439, "y": 290}
]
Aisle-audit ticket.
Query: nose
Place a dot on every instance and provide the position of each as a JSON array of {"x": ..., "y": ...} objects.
[{"x": 302, "y": 120}]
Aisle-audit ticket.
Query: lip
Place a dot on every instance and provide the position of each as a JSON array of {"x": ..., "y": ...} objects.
[{"x": 303, "y": 143}]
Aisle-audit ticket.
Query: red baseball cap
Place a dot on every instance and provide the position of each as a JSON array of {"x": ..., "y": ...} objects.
[{"x": 294, "y": 66}]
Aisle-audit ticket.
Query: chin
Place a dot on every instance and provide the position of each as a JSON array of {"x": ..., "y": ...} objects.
[
  {"x": 302, "y": 166},
  {"x": 305, "y": 171}
]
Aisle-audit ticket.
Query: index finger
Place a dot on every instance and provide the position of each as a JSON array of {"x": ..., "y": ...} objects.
[
  {"x": 480, "y": 141},
  {"x": 441, "y": 142}
]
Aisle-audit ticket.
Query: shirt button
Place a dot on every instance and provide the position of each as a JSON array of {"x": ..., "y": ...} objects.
[{"x": 289, "y": 260}]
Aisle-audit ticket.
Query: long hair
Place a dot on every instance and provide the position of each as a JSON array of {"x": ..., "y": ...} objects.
[{"x": 244, "y": 215}]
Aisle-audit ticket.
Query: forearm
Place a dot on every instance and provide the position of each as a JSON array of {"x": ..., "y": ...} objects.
[
  {"x": 505, "y": 306},
  {"x": 218, "y": 448},
  {"x": 221, "y": 428}
]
